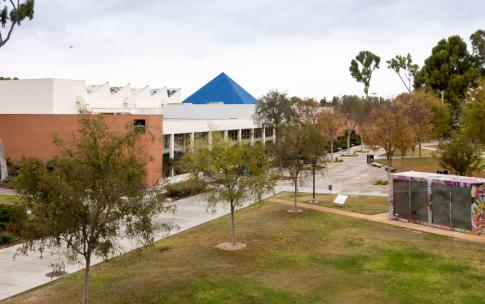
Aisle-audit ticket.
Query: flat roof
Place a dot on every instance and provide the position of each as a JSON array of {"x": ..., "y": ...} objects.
[{"x": 409, "y": 175}]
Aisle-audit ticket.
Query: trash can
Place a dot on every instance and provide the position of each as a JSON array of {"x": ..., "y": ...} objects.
[{"x": 370, "y": 158}]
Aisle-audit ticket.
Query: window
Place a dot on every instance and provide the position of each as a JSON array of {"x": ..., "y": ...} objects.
[
  {"x": 232, "y": 134},
  {"x": 139, "y": 125},
  {"x": 166, "y": 142},
  {"x": 440, "y": 198},
  {"x": 258, "y": 133},
  {"x": 246, "y": 133},
  {"x": 401, "y": 199},
  {"x": 268, "y": 132}
]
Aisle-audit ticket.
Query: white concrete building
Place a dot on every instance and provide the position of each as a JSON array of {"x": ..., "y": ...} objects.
[{"x": 63, "y": 96}]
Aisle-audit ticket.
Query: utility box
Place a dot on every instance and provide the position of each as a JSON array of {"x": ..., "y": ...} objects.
[{"x": 444, "y": 201}]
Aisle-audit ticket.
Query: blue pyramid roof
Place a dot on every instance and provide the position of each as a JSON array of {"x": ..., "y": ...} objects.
[{"x": 221, "y": 89}]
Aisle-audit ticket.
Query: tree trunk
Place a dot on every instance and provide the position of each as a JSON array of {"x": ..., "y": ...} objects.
[
  {"x": 3, "y": 163},
  {"x": 419, "y": 147},
  {"x": 361, "y": 140},
  {"x": 295, "y": 207},
  {"x": 233, "y": 226},
  {"x": 348, "y": 141},
  {"x": 331, "y": 150},
  {"x": 86, "y": 281},
  {"x": 389, "y": 177},
  {"x": 314, "y": 200}
]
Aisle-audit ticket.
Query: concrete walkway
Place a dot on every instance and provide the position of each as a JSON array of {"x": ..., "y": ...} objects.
[
  {"x": 7, "y": 191},
  {"x": 384, "y": 219},
  {"x": 352, "y": 176}
]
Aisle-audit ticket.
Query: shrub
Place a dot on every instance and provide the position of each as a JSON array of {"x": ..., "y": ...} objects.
[
  {"x": 381, "y": 182},
  {"x": 12, "y": 218},
  {"x": 461, "y": 156},
  {"x": 186, "y": 188},
  {"x": 6, "y": 238}
]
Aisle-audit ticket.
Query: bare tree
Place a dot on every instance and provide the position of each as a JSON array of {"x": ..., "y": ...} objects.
[
  {"x": 349, "y": 106},
  {"x": 330, "y": 121}
]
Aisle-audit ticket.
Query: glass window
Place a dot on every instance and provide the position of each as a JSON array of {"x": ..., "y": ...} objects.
[
  {"x": 440, "y": 197},
  {"x": 268, "y": 132},
  {"x": 461, "y": 200},
  {"x": 232, "y": 134},
  {"x": 401, "y": 199},
  {"x": 166, "y": 142},
  {"x": 246, "y": 133},
  {"x": 419, "y": 202}
]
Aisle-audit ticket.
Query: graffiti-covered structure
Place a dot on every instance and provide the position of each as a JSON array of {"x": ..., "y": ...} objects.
[{"x": 444, "y": 201}]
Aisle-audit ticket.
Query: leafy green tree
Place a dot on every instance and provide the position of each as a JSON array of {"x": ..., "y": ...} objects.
[
  {"x": 440, "y": 115},
  {"x": 323, "y": 102},
  {"x": 11, "y": 15},
  {"x": 238, "y": 172},
  {"x": 275, "y": 110},
  {"x": 301, "y": 147},
  {"x": 362, "y": 67},
  {"x": 478, "y": 49},
  {"x": 450, "y": 71},
  {"x": 461, "y": 156},
  {"x": 91, "y": 193},
  {"x": 405, "y": 69},
  {"x": 473, "y": 119},
  {"x": 307, "y": 117},
  {"x": 335, "y": 100}
]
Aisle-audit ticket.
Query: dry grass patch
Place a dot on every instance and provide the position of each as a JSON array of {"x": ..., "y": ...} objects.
[{"x": 365, "y": 204}]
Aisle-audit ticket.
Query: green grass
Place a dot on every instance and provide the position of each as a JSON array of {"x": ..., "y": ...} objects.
[
  {"x": 425, "y": 164},
  {"x": 8, "y": 199},
  {"x": 355, "y": 203},
  {"x": 310, "y": 257}
]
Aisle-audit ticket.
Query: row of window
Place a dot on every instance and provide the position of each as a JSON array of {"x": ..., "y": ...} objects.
[{"x": 183, "y": 140}]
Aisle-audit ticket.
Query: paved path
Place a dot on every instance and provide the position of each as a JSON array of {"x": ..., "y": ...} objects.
[
  {"x": 7, "y": 191},
  {"x": 384, "y": 219},
  {"x": 352, "y": 176}
]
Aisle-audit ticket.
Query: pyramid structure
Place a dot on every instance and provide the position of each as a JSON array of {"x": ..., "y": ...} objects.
[{"x": 221, "y": 89}]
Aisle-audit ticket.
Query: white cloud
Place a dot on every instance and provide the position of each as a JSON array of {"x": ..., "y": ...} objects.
[{"x": 302, "y": 46}]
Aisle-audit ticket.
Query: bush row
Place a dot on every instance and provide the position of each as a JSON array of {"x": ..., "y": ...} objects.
[{"x": 185, "y": 188}]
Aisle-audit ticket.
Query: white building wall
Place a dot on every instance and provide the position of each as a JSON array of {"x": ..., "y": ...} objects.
[
  {"x": 209, "y": 111},
  {"x": 67, "y": 96},
  {"x": 26, "y": 96}
]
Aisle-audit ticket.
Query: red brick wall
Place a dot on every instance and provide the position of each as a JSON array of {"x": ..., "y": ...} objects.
[{"x": 32, "y": 135}]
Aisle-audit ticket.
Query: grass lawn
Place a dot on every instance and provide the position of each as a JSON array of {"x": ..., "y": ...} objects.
[
  {"x": 424, "y": 153},
  {"x": 8, "y": 199},
  {"x": 310, "y": 257},
  {"x": 425, "y": 164},
  {"x": 355, "y": 203}
]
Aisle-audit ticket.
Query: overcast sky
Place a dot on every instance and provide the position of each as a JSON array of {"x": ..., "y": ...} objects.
[{"x": 302, "y": 46}]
